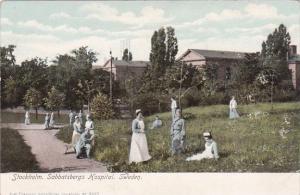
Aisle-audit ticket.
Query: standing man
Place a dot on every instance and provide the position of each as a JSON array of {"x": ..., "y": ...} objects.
[
  {"x": 71, "y": 116},
  {"x": 173, "y": 107},
  {"x": 177, "y": 133}
]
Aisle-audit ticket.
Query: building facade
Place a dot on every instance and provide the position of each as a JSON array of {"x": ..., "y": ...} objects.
[
  {"x": 294, "y": 66},
  {"x": 123, "y": 70},
  {"x": 224, "y": 60}
]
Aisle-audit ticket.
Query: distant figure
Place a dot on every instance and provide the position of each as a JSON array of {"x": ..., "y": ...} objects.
[
  {"x": 52, "y": 122},
  {"x": 173, "y": 107},
  {"x": 139, "y": 146},
  {"x": 157, "y": 123},
  {"x": 211, "y": 149},
  {"x": 80, "y": 115},
  {"x": 177, "y": 134},
  {"x": 47, "y": 121},
  {"x": 233, "y": 114},
  {"x": 84, "y": 143},
  {"x": 71, "y": 117},
  {"x": 27, "y": 118}
]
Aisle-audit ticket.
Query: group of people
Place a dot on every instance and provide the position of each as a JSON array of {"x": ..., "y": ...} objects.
[
  {"x": 139, "y": 148},
  {"x": 49, "y": 121},
  {"x": 82, "y": 137}
]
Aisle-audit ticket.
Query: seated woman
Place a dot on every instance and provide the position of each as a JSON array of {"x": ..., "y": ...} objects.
[
  {"x": 157, "y": 123},
  {"x": 211, "y": 150}
]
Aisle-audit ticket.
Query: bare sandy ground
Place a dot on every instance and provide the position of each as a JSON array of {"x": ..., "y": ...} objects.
[{"x": 49, "y": 150}]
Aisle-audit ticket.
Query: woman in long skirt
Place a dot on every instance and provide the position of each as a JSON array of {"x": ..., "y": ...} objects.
[
  {"x": 51, "y": 124},
  {"x": 233, "y": 114},
  {"x": 139, "y": 147},
  {"x": 76, "y": 134},
  {"x": 27, "y": 118}
]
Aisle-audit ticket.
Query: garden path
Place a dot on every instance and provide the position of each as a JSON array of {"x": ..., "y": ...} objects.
[{"x": 49, "y": 150}]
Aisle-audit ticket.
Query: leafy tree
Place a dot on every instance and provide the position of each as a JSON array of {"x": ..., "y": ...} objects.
[
  {"x": 8, "y": 60},
  {"x": 171, "y": 46},
  {"x": 33, "y": 99},
  {"x": 101, "y": 107},
  {"x": 275, "y": 51},
  {"x": 33, "y": 74},
  {"x": 10, "y": 91},
  {"x": 127, "y": 55},
  {"x": 85, "y": 91},
  {"x": 55, "y": 99}
]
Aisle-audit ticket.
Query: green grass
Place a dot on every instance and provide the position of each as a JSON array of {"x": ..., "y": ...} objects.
[
  {"x": 15, "y": 154},
  {"x": 10, "y": 117},
  {"x": 245, "y": 145}
]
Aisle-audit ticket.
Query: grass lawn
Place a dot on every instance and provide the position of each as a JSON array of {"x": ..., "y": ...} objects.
[
  {"x": 15, "y": 154},
  {"x": 245, "y": 145}
]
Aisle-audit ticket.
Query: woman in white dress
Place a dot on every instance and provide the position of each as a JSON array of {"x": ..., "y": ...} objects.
[
  {"x": 76, "y": 134},
  {"x": 232, "y": 109},
  {"x": 89, "y": 124},
  {"x": 139, "y": 147},
  {"x": 211, "y": 149},
  {"x": 51, "y": 124},
  {"x": 27, "y": 118}
]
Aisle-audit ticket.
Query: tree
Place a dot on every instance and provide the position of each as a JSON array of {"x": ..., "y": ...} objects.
[
  {"x": 55, "y": 99},
  {"x": 127, "y": 55},
  {"x": 101, "y": 107},
  {"x": 10, "y": 91},
  {"x": 275, "y": 51},
  {"x": 33, "y": 99},
  {"x": 85, "y": 91},
  {"x": 171, "y": 46},
  {"x": 71, "y": 69},
  {"x": 163, "y": 51},
  {"x": 8, "y": 60}
]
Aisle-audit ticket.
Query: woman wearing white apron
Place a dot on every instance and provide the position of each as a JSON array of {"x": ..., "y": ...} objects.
[
  {"x": 51, "y": 124},
  {"x": 211, "y": 149},
  {"x": 139, "y": 147},
  {"x": 89, "y": 124},
  {"x": 76, "y": 134},
  {"x": 232, "y": 109}
]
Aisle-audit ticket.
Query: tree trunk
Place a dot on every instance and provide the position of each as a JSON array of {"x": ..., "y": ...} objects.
[
  {"x": 58, "y": 113},
  {"x": 36, "y": 113}
]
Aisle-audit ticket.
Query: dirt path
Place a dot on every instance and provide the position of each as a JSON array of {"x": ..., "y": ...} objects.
[{"x": 49, "y": 151}]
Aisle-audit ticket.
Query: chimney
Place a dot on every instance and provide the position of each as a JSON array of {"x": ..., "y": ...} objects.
[{"x": 292, "y": 50}]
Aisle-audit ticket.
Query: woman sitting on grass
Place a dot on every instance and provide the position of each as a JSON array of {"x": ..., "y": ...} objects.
[{"x": 211, "y": 149}]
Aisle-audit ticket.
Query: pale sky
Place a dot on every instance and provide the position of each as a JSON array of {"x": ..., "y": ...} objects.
[{"x": 46, "y": 29}]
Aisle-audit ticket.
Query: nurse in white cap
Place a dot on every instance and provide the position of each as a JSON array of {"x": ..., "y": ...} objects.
[{"x": 211, "y": 149}]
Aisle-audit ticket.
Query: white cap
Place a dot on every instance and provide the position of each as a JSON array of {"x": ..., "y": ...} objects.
[
  {"x": 206, "y": 134},
  {"x": 137, "y": 111}
]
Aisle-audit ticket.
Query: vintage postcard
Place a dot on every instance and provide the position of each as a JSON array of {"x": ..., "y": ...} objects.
[{"x": 150, "y": 97}]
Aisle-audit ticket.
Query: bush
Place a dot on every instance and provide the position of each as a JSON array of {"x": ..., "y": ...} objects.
[{"x": 101, "y": 107}]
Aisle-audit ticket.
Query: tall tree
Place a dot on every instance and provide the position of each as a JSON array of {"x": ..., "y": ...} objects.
[
  {"x": 33, "y": 99},
  {"x": 171, "y": 46},
  {"x": 275, "y": 52},
  {"x": 10, "y": 91},
  {"x": 127, "y": 55}
]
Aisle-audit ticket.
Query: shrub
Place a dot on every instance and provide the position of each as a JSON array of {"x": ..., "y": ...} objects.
[{"x": 101, "y": 107}]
